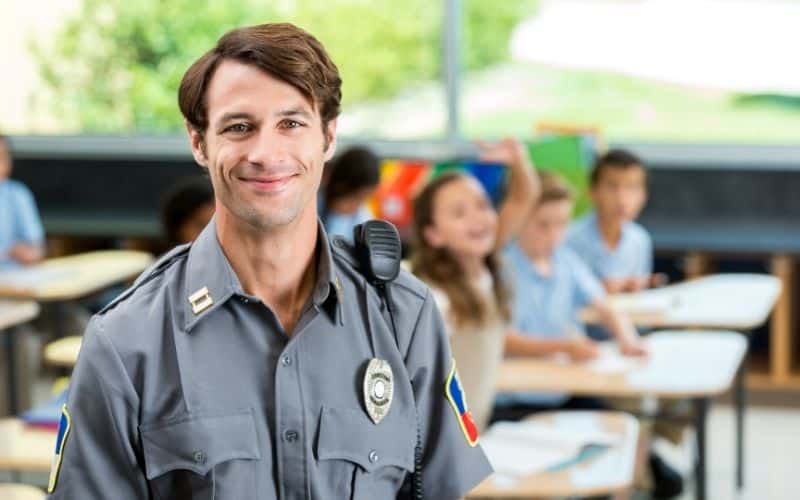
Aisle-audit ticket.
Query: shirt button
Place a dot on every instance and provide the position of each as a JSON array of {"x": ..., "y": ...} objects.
[
  {"x": 291, "y": 436},
  {"x": 286, "y": 361},
  {"x": 373, "y": 456},
  {"x": 199, "y": 457}
]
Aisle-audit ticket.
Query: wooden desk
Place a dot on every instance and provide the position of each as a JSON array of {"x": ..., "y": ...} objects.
[
  {"x": 63, "y": 352},
  {"x": 738, "y": 302},
  {"x": 609, "y": 473},
  {"x": 13, "y": 313},
  {"x": 63, "y": 279},
  {"x": 682, "y": 364},
  {"x": 24, "y": 448},
  {"x": 727, "y": 301},
  {"x": 73, "y": 277},
  {"x": 20, "y": 492}
]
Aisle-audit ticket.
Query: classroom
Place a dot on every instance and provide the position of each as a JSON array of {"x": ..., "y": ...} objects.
[{"x": 440, "y": 250}]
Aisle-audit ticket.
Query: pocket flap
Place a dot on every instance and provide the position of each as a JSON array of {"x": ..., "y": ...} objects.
[
  {"x": 348, "y": 434},
  {"x": 198, "y": 442}
]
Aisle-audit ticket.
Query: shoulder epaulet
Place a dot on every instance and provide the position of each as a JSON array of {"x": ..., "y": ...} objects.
[
  {"x": 154, "y": 270},
  {"x": 344, "y": 250}
]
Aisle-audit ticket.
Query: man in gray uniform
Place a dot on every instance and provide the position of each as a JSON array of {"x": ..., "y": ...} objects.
[{"x": 259, "y": 362}]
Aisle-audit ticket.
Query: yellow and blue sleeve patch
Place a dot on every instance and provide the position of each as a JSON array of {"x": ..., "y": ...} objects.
[
  {"x": 458, "y": 401},
  {"x": 64, "y": 426}
]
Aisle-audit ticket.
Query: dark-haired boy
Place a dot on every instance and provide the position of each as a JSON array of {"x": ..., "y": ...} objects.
[{"x": 617, "y": 249}]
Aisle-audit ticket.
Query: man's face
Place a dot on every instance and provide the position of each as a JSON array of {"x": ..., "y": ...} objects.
[
  {"x": 5, "y": 161},
  {"x": 264, "y": 147},
  {"x": 620, "y": 193}
]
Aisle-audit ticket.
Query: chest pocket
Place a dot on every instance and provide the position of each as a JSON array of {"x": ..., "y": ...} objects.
[
  {"x": 202, "y": 457},
  {"x": 370, "y": 460}
]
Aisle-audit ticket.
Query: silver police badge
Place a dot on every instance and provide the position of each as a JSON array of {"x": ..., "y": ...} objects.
[{"x": 378, "y": 389}]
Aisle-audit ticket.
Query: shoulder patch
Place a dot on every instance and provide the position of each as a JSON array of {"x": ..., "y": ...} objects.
[
  {"x": 64, "y": 427},
  {"x": 458, "y": 401}
]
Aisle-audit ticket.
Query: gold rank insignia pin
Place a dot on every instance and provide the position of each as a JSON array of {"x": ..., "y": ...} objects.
[
  {"x": 378, "y": 389},
  {"x": 200, "y": 300}
]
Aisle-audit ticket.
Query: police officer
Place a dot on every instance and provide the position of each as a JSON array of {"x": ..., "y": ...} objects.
[{"x": 259, "y": 362}]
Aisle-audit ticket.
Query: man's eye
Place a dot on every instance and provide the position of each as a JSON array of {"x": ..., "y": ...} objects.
[
  {"x": 290, "y": 124},
  {"x": 238, "y": 128}
]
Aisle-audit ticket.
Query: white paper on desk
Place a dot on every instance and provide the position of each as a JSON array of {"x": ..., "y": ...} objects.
[
  {"x": 673, "y": 356},
  {"x": 610, "y": 360},
  {"x": 32, "y": 278},
  {"x": 523, "y": 448},
  {"x": 646, "y": 302}
]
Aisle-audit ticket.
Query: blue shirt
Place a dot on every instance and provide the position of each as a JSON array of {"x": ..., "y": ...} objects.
[
  {"x": 19, "y": 219},
  {"x": 548, "y": 306},
  {"x": 632, "y": 258},
  {"x": 343, "y": 224}
]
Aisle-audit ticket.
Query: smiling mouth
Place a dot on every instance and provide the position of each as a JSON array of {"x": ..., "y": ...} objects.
[
  {"x": 269, "y": 184},
  {"x": 474, "y": 235}
]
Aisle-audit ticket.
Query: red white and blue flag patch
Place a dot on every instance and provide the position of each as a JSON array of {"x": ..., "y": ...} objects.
[
  {"x": 458, "y": 400},
  {"x": 64, "y": 426}
]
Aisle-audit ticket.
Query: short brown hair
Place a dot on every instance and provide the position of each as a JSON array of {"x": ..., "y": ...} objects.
[
  {"x": 282, "y": 50},
  {"x": 554, "y": 188},
  {"x": 615, "y": 158}
]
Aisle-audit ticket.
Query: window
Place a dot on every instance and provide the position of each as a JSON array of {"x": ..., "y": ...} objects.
[
  {"x": 643, "y": 70},
  {"x": 665, "y": 71},
  {"x": 113, "y": 66}
]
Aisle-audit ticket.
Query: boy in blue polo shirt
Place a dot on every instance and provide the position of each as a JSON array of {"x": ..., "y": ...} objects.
[
  {"x": 617, "y": 250},
  {"x": 551, "y": 286},
  {"x": 21, "y": 232}
]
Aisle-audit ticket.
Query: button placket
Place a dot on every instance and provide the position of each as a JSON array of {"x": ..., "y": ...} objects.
[{"x": 290, "y": 422}]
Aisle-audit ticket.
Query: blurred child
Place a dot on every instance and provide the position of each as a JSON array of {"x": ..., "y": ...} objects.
[
  {"x": 551, "y": 286},
  {"x": 21, "y": 231},
  {"x": 351, "y": 179},
  {"x": 618, "y": 250},
  {"x": 456, "y": 236},
  {"x": 186, "y": 210}
]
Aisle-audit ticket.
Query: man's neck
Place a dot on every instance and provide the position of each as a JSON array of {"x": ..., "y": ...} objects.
[
  {"x": 277, "y": 266},
  {"x": 610, "y": 230}
]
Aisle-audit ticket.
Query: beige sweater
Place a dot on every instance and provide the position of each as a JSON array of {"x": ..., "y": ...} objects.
[{"x": 478, "y": 353}]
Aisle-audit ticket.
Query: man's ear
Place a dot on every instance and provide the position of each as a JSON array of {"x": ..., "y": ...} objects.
[
  {"x": 198, "y": 145},
  {"x": 330, "y": 139}
]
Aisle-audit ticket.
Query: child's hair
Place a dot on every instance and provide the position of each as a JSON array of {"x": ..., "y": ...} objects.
[
  {"x": 614, "y": 158},
  {"x": 186, "y": 196},
  {"x": 355, "y": 169},
  {"x": 440, "y": 268},
  {"x": 5, "y": 142},
  {"x": 554, "y": 188},
  {"x": 8, "y": 153}
]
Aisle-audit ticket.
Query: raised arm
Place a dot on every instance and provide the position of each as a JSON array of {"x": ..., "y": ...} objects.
[{"x": 523, "y": 185}]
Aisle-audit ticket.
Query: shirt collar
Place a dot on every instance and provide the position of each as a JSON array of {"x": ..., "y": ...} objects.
[
  {"x": 523, "y": 263},
  {"x": 211, "y": 280},
  {"x": 595, "y": 224}
]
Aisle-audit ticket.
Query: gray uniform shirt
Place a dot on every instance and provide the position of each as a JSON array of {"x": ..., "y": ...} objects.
[{"x": 210, "y": 399}]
